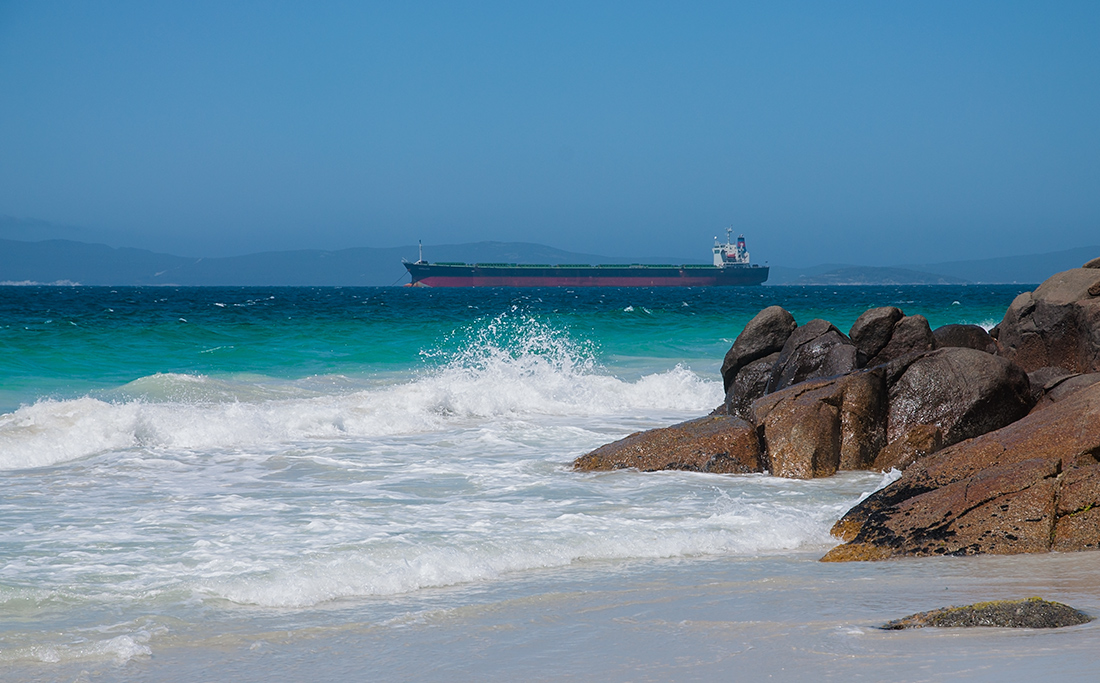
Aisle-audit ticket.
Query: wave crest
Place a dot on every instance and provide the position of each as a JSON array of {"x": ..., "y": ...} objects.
[{"x": 502, "y": 367}]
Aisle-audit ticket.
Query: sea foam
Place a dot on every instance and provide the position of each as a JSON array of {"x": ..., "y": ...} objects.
[{"x": 502, "y": 367}]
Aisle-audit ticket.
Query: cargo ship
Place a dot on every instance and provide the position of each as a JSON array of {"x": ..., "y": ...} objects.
[{"x": 731, "y": 267}]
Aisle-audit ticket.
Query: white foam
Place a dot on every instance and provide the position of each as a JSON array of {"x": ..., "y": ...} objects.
[
  {"x": 738, "y": 527},
  {"x": 506, "y": 368},
  {"x": 88, "y": 645}
]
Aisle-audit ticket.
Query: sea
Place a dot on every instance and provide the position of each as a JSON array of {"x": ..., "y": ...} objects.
[{"x": 374, "y": 484}]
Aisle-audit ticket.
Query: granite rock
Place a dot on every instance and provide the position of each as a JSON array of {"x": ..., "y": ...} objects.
[
  {"x": 817, "y": 427},
  {"x": 1030, "y": 613},
  {"x": 962, "y": 391},
  {"x": 1056, "y": 325},
  {"x": 872, "y": 329},
  {"x": 910, "y": 335},
  {"x": 964, "y": 336},
  {"x": 813, "y": 351},
  {"x": 1032, "y": 486},
  {"x": 765, "y": 334},
  {"x": 718, "y": 444}
]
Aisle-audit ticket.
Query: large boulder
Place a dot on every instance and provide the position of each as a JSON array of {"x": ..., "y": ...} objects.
[
  {"x": 717, "y": 443},
  {"x": 911, "y": 334},
  {"x": 765, "y": 334},
  {"x": 872, "y": 329},
  {"x": 961, "y": 391},
  {"x": 750, "y": 384},
  {"x": 1032, "y": 486},
  {"x": 964, "y": 336},
  {"x": 817, "y": 427},
  {"x": 1056, "y": 325},
  {"x": 813, "y": 351}
]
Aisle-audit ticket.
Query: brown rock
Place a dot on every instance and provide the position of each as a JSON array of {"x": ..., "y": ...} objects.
[
  {"x": 916, "y": 443},
  {"x": 763, "y": 335},
  {"x": 718, "y": 444},
  {"x": 1046, "y": 378},
  {"x": 1095, "y": 263},
  {"x": 749, "y": 385},
  {"x": 962, "y": 391},
  {"x": 1018, "y": 489},
  {"x": 872, "y": 329},
  {"x": 1056, "y": 325},
  {"x": 1077, "y": 531},
  {"x": 803, "y": 440},
  {"x": 862, "y": 419},
  {"x": 1058, "y": 390},
  {"x": 817, "y": 427},
  {"x": 910, "y": 335},
  {"x": 1030, "y": 613},
  {"x": 964, "y": 336},
  {"x": 813, "y": 351}
]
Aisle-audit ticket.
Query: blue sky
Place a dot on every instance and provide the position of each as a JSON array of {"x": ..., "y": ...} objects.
[{"x": 875, "y": 133}]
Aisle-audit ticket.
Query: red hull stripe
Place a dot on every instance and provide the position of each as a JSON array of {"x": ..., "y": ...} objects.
[
  {"x": 441, "y": 281},
  {"x": 447, "y": 275}
]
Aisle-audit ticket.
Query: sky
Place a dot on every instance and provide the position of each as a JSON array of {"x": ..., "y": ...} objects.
[{"x": 876, "y": 133}]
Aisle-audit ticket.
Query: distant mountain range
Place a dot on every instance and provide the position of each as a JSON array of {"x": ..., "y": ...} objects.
[
  {"x": 67, "y": 261},
  {"x": 1026, "y": 269}
]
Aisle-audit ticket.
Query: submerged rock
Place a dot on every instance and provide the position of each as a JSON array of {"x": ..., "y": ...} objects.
[
  {"x": 717, "y": 443},
  {"x": 1030, "y": 613}
]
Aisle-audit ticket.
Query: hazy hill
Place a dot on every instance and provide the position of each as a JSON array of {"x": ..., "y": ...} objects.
[
  {"x": 869, "y": 275},
  {"x": 96, "y": 264},
  {"x": 1027, "y": 269}
]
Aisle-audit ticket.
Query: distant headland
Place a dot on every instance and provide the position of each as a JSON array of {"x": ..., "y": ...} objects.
[{"x": 61, "y": 261}]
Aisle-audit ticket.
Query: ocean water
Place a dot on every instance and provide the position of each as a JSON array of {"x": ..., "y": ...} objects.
[{"x": 373, "y": 483}]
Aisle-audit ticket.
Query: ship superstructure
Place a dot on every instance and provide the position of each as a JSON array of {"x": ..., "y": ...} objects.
[{"x": 731, "y": 268}]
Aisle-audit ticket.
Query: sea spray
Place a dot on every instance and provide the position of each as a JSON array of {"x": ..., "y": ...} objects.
[
  {"x": 297, "y": 460},
  {"x": 500, "y": 367}
]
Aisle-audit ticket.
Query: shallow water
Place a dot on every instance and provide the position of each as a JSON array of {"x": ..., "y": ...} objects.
[{"x": 254, "y": 484}]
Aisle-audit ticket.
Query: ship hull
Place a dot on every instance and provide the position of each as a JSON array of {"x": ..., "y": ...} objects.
[{"x": 478, "y": 275}]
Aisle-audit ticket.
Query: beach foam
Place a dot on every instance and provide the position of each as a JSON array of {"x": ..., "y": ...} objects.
[{"x": 502, "y": 367}]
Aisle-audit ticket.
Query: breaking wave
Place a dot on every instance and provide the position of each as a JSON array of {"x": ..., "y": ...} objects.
[{"x": 501, "y": 367}]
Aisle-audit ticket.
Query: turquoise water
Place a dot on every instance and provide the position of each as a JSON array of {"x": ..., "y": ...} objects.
[
  {"x": 63, "y": 342},
  {"x": 338, "y": 484}
]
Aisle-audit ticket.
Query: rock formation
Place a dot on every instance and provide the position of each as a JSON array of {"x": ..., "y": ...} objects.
[
  {"x": 1032, "y": 486},
  {"x": 765, "y": 334},
  {"x": 962, "y": 391},
  {"x": 718, "y": 444},
  {"x": 997, "y": 434},
  {"x": 872, "y": 330},
  {"x": 1056, "y": 325},
  {"x": 1030, "y": 613},
  {"x": 965, "y": 336},
  {"x": 814, "y": 350}
]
